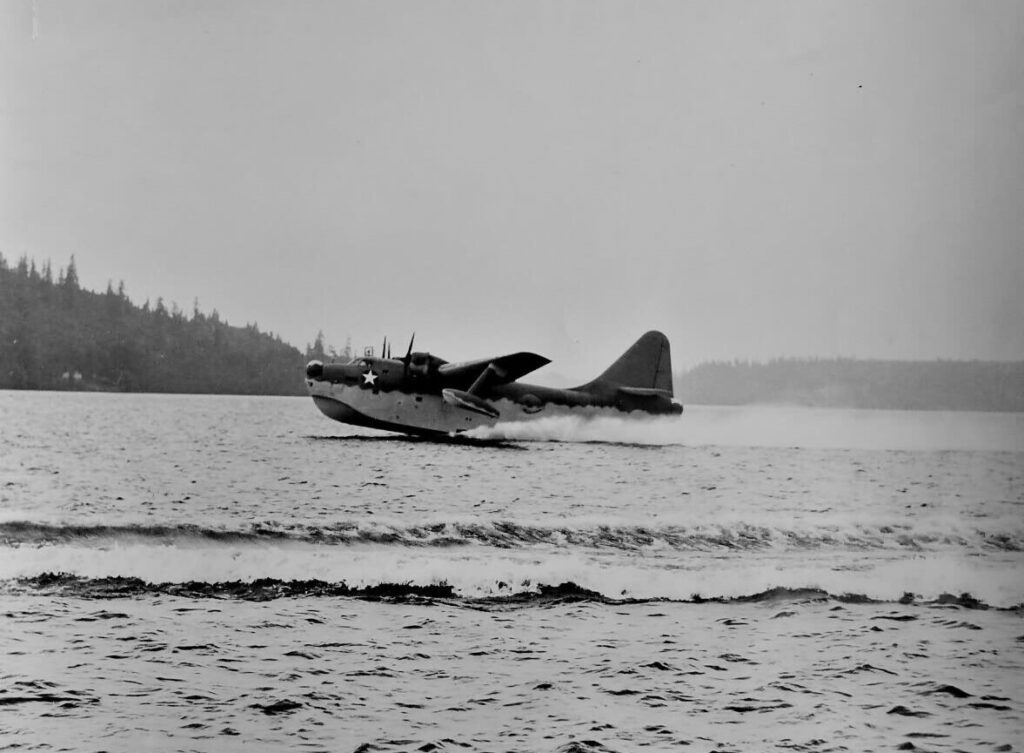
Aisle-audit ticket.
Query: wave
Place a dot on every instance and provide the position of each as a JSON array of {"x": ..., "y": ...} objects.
[
  {"x": 266, "y": 589},
  {"x": 508, "y": 534},
  {"x": 480, "y": 572}
]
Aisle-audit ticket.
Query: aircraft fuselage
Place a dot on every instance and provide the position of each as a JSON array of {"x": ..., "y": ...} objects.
[
  {"x": 423, "y": 394},
  {"x": 374, "y": 404}
]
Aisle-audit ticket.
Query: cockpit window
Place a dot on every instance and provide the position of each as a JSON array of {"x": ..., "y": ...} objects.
[{"x": 419, "y": 364}]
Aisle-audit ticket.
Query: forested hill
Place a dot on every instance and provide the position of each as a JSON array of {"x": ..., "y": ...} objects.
[
  {"x": 54, "y": 335},
  {"x": 850, "y": 383}
]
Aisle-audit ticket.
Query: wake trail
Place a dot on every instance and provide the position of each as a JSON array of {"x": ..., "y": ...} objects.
[
  {"x": 769, "y": 426},
  {"x": 632, "y": 431}
]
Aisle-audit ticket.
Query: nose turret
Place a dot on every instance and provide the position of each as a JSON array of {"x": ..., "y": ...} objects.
[{"x": 317, "y": 371}]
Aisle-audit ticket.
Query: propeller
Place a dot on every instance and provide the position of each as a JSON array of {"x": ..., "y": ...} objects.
[{"x": 408, "y": 356}]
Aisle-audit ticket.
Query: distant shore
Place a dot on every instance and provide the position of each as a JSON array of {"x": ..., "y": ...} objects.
[{"x": 56, "y": 336}]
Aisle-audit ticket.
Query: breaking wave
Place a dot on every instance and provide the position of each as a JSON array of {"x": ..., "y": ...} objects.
[
  {"x": 266, "y": 589},
  {"x": 508, "y": 534},
  {"x": 626, "y": 563}
]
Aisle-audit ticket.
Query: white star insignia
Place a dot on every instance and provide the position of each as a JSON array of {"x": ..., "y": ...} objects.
[{"x": 369, "y": 378}]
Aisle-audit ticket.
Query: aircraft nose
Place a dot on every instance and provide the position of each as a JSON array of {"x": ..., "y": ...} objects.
[{"x": 315, "y": 370}]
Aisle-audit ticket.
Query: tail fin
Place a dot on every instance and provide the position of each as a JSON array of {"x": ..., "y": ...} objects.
[{"x": 646, "y": 368}]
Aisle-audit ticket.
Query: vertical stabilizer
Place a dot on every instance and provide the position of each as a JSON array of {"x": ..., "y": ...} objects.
[{"x": 646, "y": 365}]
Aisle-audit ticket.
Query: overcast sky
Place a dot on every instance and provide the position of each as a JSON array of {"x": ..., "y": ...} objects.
[{"x": 755, "y": 179}]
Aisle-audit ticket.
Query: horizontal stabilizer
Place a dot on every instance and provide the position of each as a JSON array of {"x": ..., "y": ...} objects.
[
  {"x": 646, "y": 391},
  {"x": 504, "y": 369}
]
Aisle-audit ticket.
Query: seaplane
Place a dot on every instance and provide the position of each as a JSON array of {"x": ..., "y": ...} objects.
[{"x": 421, "y": 394}]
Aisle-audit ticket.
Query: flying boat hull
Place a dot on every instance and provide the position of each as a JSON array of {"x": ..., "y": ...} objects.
[{"x": 431, "y": 415}]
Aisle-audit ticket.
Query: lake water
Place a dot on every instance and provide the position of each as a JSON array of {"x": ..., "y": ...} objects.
[{"x": 229, "y": 573}]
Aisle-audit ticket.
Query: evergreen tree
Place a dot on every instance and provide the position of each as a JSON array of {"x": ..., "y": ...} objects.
[
  {"x": 317, "y": 351},
  {"x": 71, "y": 278}
]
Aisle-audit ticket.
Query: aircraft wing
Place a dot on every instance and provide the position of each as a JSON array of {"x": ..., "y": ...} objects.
[{"x": 503, "y": 369}]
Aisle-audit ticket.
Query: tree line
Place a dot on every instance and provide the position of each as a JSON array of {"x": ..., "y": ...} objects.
[
  {"x": 855, "y": 383},
  {"x": 55, "y": 335}
]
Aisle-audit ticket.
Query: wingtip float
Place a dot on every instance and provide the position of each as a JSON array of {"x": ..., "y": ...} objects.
[{"x": 424, "y": 395}]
